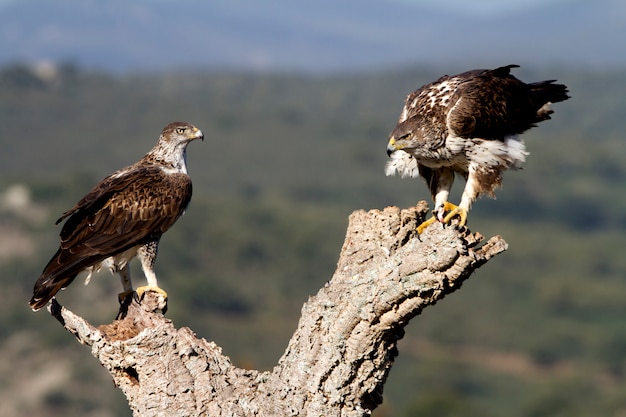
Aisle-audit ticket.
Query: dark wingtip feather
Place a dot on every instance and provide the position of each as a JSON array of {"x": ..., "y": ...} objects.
[
  {"x": 42, "y": 293},
  {"x": 549, "y": 91},
  {"x": 36, "y": 303},
  {"x": 505, "y": 70},
  {"x": 49, "y": 283}
]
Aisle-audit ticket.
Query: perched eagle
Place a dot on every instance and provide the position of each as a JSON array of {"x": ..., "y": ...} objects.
[
  {"x": 467, "y": 124},
  {"x": 122, "y": 217}
]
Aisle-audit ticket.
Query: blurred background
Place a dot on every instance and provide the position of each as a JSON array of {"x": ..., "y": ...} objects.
[{"x": 296, "y": 100}]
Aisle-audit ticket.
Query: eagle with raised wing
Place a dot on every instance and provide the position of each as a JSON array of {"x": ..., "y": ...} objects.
[
  {"x": 122, "y": 217},
  {"x": 467, "y": 124}
]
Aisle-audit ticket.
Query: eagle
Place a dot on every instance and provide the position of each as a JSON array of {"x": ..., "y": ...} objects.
[
  {"x": 467, "y": 124},
  {"x": 123, "y": 216}
]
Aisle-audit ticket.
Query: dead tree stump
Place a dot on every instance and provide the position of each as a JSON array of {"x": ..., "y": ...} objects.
[{"x": 338, "y": 359}]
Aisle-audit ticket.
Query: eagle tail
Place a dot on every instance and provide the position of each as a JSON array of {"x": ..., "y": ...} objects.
[
  {"x": 58, "y": 274},
  {"x": 45, "y": 288},
  {"x": 545, "y": 93}
]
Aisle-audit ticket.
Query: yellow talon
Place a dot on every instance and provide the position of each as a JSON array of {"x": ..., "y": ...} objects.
[
  {"x": 451, "y": 209},
  {"x": 425, "y": 224},
  {"x": 456, "y": 211},
  {"x": 141, "y": 290}
]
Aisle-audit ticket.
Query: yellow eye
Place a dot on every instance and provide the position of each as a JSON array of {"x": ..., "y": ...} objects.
[{"x": 180, "y": 130}]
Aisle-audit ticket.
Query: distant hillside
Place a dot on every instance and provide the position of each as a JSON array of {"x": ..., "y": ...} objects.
[{"x": 286, "y": 159}]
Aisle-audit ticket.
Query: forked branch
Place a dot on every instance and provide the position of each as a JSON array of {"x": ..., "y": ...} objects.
[{"x": 338, "y": 359}]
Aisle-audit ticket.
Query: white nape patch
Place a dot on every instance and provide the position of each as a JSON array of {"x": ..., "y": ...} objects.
[
  {"x": 402, "y": 163},
  {"x": 509, "y": 154}
]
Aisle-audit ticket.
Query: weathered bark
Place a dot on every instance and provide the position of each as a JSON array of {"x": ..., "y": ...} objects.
[{"x": 340, "y": 355}]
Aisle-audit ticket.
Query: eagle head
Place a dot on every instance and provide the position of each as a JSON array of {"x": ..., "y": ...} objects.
[
  {"x": 398, "y": 149},
  {"x": 170, "y": 150},
  {"x": 181, "y": 133},
  {"x": 402, "y": 136}
]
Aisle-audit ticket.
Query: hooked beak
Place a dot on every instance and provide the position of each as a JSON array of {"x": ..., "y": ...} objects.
[
  {"x": 391, "y": 146},
  {"x": 197, "y": 134}
]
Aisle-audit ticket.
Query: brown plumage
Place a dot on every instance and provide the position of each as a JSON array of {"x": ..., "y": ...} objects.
[
  {"x": 123, "y": 216},
  {"x": 467, "y": 124}
]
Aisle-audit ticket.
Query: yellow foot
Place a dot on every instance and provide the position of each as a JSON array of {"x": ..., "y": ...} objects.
[
  {"x": 161, "y": 301},
  {"x": 425, "y": 224},
  {"x": 456, "y": 211},
  {"x": 438, "y": 216},
  {"x": 141, "y": 290}
]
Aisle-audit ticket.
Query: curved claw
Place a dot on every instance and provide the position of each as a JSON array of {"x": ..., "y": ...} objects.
[
  {"x": 447, "y": 207},
  {"x": 438, "y": 215},
  {"x": 456, "y": 211}
]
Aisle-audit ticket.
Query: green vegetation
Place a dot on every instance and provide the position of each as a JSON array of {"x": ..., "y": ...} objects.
[{"x": 539, "y": 331}]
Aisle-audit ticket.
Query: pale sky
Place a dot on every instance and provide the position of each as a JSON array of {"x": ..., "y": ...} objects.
[{"x": 482, "y": 7}]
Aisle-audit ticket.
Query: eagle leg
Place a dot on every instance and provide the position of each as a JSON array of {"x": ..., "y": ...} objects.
[
  {"x": 126, "y": 283},
  {"x": 147, "y": 256}
]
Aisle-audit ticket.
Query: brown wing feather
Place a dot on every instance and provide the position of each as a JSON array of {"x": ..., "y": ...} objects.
[
  {"x": 121, "y": 212},
  {"x": 492, "y": 104}
]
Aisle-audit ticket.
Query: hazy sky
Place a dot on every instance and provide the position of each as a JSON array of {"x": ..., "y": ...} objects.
[
  {"x": 468, "y": 6},
  {"x": 482, "y": 7}
]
